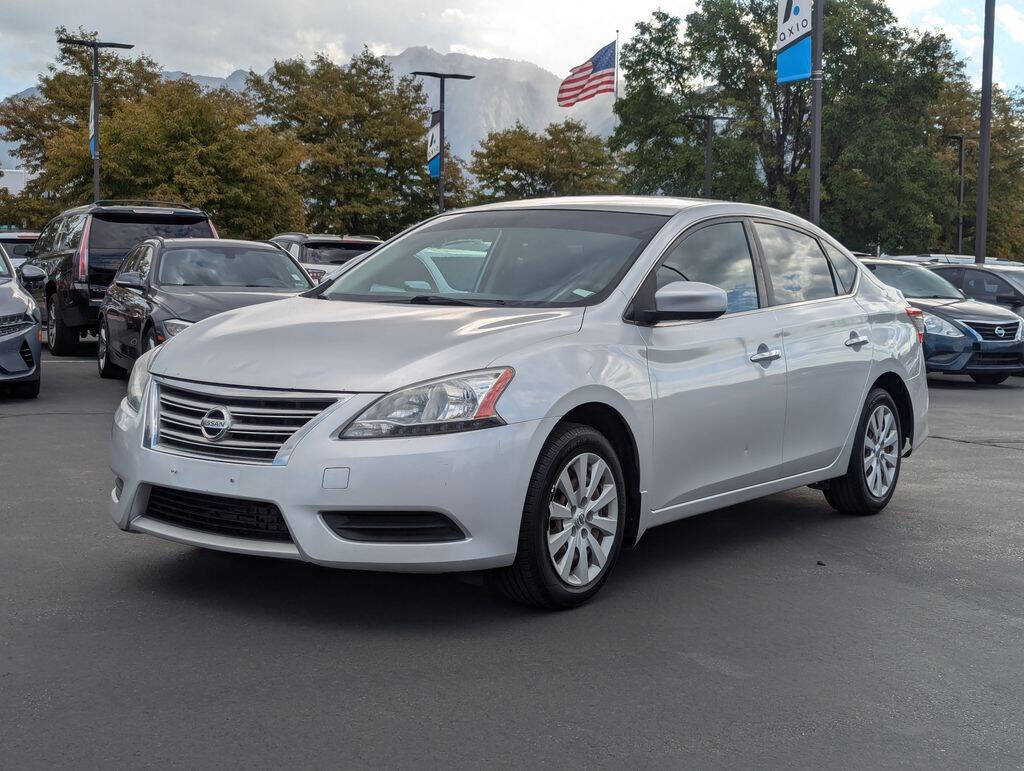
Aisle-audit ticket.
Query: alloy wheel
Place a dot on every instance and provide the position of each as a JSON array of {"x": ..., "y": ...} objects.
[
  {"x": 583, "y": 519},
  {"x": 51, "y": 325},
  {"x": 881, "y": 448},
  {"x": 101, "y": 346}
]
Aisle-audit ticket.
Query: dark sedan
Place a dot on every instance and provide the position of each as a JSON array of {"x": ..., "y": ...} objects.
[
  {"x": 962, "y": 336},
  {"x": 165, "y": 285}
]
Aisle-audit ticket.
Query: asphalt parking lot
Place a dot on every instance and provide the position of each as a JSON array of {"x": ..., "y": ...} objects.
[{"x": 772, "y": 633}]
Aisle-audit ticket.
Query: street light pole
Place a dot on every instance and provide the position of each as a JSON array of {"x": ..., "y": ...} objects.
[
  {"x": 709, "y": 139},
  {"x": 442, "y": 77},
  {"x": 94, "y": 103},
  {"x": 960, "y": 196},
  {"x": 981, "y": 214}
]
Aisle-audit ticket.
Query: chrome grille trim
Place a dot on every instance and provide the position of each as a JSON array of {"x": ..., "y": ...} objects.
[
  {"x": 986, "y": 329},
  {"x": 266, "y": 425}
]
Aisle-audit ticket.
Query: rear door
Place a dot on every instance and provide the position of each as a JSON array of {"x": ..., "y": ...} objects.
[
  {"x": 827, "y": 345},
  {"x": 718, "y": 414}
]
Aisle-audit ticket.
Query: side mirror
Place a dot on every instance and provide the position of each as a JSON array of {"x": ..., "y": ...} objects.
[
  {"x": 687, "y": 301},
  {"x": 31, "y": 274},
  {"x": 129, "y": 280}
]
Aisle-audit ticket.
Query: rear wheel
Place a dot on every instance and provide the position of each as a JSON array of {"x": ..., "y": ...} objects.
[
  {"x": 103, "y": 363},
  {"x": 874, "y": 469},
  {"x": 60, "y": 339},
  {"x": 986, "y": 379},
  {"x": 573, "y": 522}
]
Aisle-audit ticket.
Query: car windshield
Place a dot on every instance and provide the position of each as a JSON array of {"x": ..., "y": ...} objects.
[
  {"x": 122, "y": 232},
  {"x": 333, "y": 254},
  {"x": 230, "y": 266},
  {"x": 915, "y": 282},
  {"x": 523, "y": 257}
]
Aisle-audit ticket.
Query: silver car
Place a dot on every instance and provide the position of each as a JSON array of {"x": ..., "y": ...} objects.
[
  {"x": 528, "y": 406},
  {"x": 19, "y": 330}
]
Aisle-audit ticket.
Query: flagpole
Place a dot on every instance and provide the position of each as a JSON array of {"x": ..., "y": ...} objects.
[{"x": 616, "y": 66}]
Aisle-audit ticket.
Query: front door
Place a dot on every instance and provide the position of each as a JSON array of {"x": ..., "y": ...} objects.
[{"x": 718, "y": 414}]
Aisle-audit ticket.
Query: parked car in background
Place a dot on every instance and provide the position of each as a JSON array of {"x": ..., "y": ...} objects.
[
  {"x": 18, "y": 243},
  {"x": 586, "y": 369},
  {"x": 165, "y": 285},
  {"x": 319, "y": 251},
  {"x": 19, "y": 331},
  {"x": 962, "y": 336},
  {"x": 81, "y": 250},
  {"x": 999, "y": 284}
]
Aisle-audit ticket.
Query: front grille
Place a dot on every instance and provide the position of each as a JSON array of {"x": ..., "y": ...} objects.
[
  {"x": 393, "y": 526},
  {"x": 260, "y": 425},
  {"x": 995, "y": 358},
  {"x": 987, "y": 331},
  {"x": 217, "y": 514},
  {"x": 26, "y": 355},
  {"x": 15, "y": 322}
]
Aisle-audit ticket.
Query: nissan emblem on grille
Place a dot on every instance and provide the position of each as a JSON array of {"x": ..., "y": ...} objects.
[
  {"x": 215, "y": 424},
  {"x": 1000, "y": 332}
]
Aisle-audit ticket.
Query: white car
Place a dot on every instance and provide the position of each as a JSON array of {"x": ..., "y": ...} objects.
[{"x": 589, "y": 368}]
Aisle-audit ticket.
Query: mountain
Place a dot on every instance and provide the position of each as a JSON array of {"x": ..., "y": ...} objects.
[{"x": 503, "y": 91}]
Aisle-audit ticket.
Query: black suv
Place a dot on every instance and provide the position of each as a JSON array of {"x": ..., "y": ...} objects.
[
  {"x": 81, "y": 249},
  {"x": 317, "y": 252},
  {"x": 999, "y": 283}
]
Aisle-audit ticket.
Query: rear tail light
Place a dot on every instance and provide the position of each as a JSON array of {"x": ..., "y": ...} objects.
[
  {"x": 917, "y": 319},
  {"x": 316, "y": 275},
  {"x": 82, "y": 259}
]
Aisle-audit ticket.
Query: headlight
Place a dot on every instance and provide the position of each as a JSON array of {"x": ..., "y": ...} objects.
[
  {"x": 1020, "y": 331},
  {"x": 933, "y": 325},
  {"x": 174, "y": 326},
  {"x": 457, "y": 403},
  {"x": 139, "y": 379}
]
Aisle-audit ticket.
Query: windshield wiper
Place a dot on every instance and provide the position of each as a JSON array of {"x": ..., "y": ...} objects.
[{"x": 436, "y": 299}]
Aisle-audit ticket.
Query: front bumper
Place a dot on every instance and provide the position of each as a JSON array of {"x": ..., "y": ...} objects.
[
  {"x": 15, "y": 365},
  {"x": 478, "y": 479},
  {"x": 968, "y": 355}
]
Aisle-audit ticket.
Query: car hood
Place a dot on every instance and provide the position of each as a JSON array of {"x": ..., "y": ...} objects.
[
  {"x": 964, "y": 309},
  {"x": 193, "y": 303},
  {"x": 12, "y": 297},
  {"x": 306, "y": 343}
]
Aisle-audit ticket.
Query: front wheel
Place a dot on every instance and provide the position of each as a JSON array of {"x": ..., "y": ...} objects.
[
  {"x": 986, "y": 379},
  {"x": 573, "y": 522},
  {"x": 60, "y": 339},
  {"x": 874, "y": 469}
]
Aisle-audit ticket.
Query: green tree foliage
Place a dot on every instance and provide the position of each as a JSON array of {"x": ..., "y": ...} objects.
[
  {"x": 883, "y": 178},
  {"x": 362, "y": 132},
  {"x": 565, "y": 160}
]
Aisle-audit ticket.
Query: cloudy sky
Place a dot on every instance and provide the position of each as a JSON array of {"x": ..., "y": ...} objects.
[{"x": 215, "y": 37}]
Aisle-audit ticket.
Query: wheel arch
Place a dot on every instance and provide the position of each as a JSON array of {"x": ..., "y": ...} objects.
[
  {"x": 893, "y": 384},
  {"x": 604, "y": 418}
]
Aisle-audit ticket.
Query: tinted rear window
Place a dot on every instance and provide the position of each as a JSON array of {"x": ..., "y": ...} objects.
[
  {"x": 334, "y": 254},
  {"x": 120, "y": 232}
]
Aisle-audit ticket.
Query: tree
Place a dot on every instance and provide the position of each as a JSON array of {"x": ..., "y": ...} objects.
[
  {"x": 517, "y": 163},
  {"x": 363, "y": 166},
  {"x": 881, "y": 176}
]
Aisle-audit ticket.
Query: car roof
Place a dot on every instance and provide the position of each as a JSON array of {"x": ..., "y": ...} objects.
[
  {"x": 326, "y": 237},
  {"x": 883, "y": 261},
  {"x": 210, "y": 242},
  {"x": 135, "y": 207},
  {"x": 24, "y": 234}
]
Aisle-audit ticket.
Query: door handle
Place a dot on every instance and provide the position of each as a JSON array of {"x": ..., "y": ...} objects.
[
  {"x": 855, "y": 340},
  {"x": 765, "y": 356}
]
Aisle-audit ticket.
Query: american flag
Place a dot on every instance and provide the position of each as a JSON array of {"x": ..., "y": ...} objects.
[{"x": 595, "y": 76}]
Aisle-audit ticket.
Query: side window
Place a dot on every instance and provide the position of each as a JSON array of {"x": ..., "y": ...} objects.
[
  {"x": 74, "y": 230},
  {"x": 797, "y": 268},
  {"x": 44, "y": 244},
  {"x": 984, "y": 286},
  {"x": 955, "y": 276},
  {"x": 716, "y": 254},
  {"x": 844, "y": 268},
  {"x": 129, "y": 262},
  {"x": 144, "y": 261}
]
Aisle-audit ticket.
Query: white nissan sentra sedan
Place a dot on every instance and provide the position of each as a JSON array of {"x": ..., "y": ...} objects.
[{"x": 524, "y": 389}]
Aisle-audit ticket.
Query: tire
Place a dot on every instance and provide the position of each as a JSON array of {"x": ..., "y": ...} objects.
[
  {"x": 859, "y": 492},
  {"x": 60, "y": 339},
  {"x": 29, "y": 390},
  {"x": 549, "y": 516},
  {"x": 106, "y": 367},
  {"x": 993, "y": 379}
]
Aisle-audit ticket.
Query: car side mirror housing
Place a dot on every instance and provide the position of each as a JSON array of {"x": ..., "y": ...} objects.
[
  {"x": 31, "y": 274},
  {"x": 686, "y": 301},
  {"x": 129, "y": 280}
]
